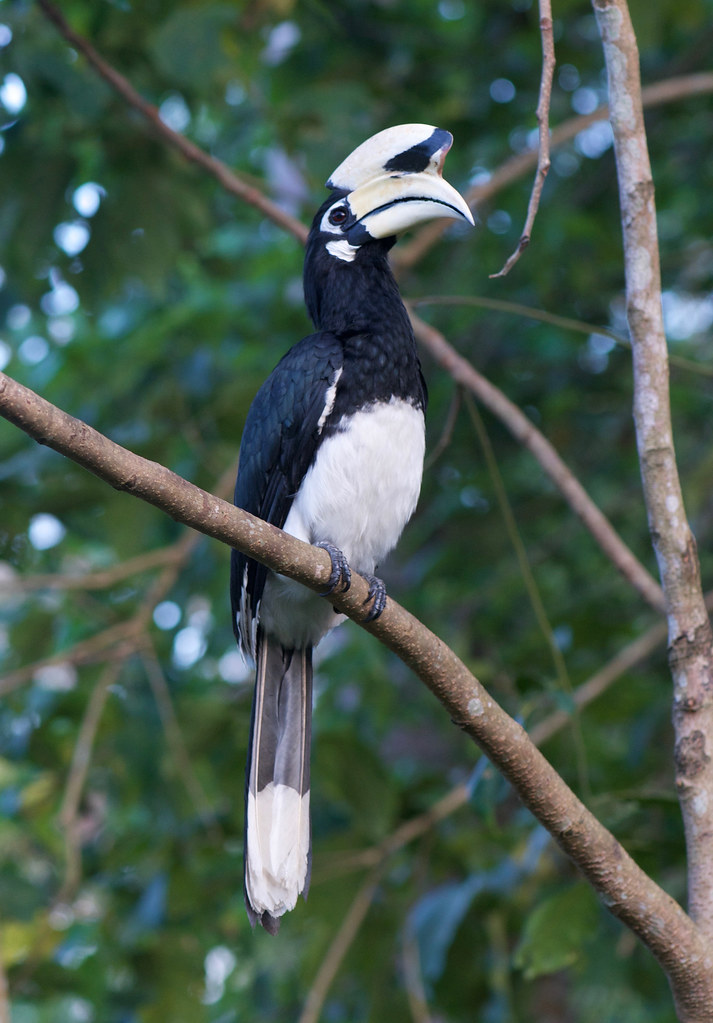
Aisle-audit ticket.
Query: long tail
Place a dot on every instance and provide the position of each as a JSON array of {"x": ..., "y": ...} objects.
[{"x": 277, "y": 827}]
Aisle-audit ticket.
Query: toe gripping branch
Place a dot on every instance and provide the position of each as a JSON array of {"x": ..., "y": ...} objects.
[
  {"x": 377, "y": 594},
  {"x": 341, "y": 579}
]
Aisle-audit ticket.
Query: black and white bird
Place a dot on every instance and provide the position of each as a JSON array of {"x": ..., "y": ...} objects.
[{"x": 332, "y": 452}]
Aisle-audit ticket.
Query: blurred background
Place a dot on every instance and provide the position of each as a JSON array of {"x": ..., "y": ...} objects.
[{"x": 139, "y": 296}]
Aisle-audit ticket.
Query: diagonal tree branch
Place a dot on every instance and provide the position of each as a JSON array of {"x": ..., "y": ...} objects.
[
  {"x": 626, "y": 890},
  {"x": 340, "y": 945},
  {"x": 69, "y": 816},
  {"x": 194, "y": 154},
  {"x": 86, "y": 651},
  {"x": 102, "y": 578},
  {"x": 689, "y": 631}
]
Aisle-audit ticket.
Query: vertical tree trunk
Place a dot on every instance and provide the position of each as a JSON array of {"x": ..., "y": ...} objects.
[{"x": 689, "y": 632}]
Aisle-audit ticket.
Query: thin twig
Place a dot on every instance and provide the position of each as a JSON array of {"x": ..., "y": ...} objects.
[
  {"x": 533, "y": 590},
  {"x": 69, "y": 818},
  {"x": 544, "y": 316},
  {"x": 194, "y": 154},
  {"x": 543, "y": 123},
  {"x": 174, "y": 737},
  {"x": 516, "y": 541},
  {"x": 413, "y": 979},
  {"x": 4, "y": 993},
  {"x": 340, "y": 946},
  {"x": 448, "y": 427},
  {"x": 99, "y": 580}
]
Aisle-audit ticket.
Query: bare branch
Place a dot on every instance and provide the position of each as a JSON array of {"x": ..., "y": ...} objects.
[
  {"x": 689, "y": 631},
  {"x": 225, "y": 177},
  {"x": 175, "y": 740},
  {"x": 101, "y": 579},
  {"x": 446, "y": 437},
  {"x": 544, "y": 316},
  {"x": 86, "y": 651},
  {"x": 132, "y": 635},
  {"x": 525, "y": 431},
  {"x": 413, "y": 979},
  {"x": 69, "y": 816},
  {"x": 543, "y": 122},
  {"x": 4, "y": 995},
  {"x": 340, "y": 946},
  {"x": 627, "y": 891}
]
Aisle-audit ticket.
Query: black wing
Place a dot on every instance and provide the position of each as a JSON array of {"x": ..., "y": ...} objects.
[{"x": 281, "y": 435}]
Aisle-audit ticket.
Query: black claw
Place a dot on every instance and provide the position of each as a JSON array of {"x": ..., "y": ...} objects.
[
  {"x": 341, "y": 577},
  {"x": 377, "y": 594}
]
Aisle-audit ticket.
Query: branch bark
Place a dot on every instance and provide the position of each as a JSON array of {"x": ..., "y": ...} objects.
[
  {"x": 689, "y": 632},
  {"x": 626, "y": 890}
]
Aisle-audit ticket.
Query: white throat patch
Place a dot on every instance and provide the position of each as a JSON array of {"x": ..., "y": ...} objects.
[{"x": 342, "y": 250}]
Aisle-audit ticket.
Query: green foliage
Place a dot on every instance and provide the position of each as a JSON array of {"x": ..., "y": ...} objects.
[
  {"x": 555, "y": 932},
  {"x": 158, "y": 332}
]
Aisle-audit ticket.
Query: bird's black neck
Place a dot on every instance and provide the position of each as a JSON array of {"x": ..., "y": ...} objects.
[
  {"x": 359, "y": 295},
  {"x": 358, "y": 301}
]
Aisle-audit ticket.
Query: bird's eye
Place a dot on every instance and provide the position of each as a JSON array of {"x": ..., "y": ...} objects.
[{"x": 338, "y": 215}]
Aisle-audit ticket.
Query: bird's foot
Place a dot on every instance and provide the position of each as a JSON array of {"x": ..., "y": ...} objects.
[
  {"x": 377, "y": 596},
  {"x": 341, "y": 577}
]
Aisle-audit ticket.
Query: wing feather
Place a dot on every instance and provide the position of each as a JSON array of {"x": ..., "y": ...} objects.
[{"x": 282, "y": 433}]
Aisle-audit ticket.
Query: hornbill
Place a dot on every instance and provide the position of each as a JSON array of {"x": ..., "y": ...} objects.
[{"x": 332, "y": 452}]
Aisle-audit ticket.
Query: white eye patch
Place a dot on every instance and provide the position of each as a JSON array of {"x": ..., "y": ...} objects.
[
  {"x": 333, "y": 222},
  {"x": 336, "y": 217}
]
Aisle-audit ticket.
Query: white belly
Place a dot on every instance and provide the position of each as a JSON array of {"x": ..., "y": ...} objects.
[{"x": 358, "y": 495}]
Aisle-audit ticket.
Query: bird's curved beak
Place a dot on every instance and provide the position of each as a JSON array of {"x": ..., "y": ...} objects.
[{"x": 394, "y": 181}]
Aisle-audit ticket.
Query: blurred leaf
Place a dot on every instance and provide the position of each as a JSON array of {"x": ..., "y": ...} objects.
[
  {"x": 188, "y": 45},
  {"x": 555, "y": 932}
]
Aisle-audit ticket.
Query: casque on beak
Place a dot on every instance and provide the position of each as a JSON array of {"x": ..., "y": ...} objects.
[{"x": 394, "y": 181}]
